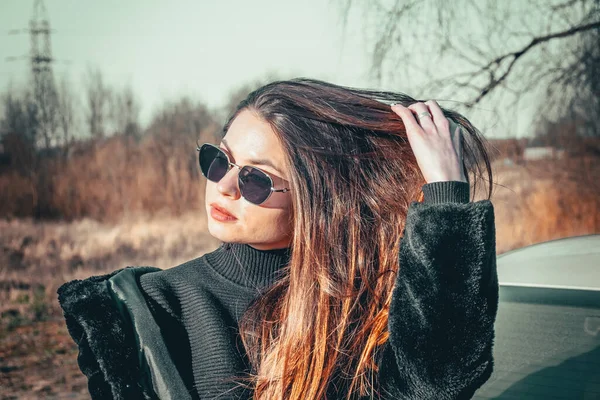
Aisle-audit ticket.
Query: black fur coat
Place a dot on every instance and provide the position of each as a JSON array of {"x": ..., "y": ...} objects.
[{"x": 441, "y": 318}]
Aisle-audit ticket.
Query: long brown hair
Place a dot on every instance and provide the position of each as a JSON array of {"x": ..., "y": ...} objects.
[{"x": 316, "y": 332}]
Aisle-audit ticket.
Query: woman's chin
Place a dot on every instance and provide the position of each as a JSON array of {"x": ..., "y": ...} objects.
[{"x": 222, "y": 232}]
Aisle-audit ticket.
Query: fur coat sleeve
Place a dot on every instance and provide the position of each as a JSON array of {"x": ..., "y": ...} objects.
[
  {"x": 444, "y": 302},
  {"x": 108, "y": 355}
]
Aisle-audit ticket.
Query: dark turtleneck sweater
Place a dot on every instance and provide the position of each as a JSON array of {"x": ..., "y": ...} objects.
[{"x": 203, "y": 300}]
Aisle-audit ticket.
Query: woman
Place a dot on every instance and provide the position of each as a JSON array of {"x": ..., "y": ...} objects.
[{"x": 313, "y": 294}]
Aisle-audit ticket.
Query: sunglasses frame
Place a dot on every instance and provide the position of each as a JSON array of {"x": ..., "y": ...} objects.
[{"x": 229, "y": 166}]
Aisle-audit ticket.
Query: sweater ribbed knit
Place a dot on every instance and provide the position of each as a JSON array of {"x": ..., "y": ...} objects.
[
  {"x": 201, "y": 301},
  {"x": 204, "y": 299}
]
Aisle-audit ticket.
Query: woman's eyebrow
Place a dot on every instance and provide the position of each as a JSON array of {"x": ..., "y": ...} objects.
[{"x": 259, "y": 161}]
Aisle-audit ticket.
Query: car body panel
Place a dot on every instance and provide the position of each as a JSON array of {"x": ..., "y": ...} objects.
[
  {"x": 572, "y": 262},
  {"x": 547, "y": 342}
]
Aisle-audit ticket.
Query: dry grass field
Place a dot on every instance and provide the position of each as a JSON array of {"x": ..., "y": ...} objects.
[
  {"x": 37, "y": 357},
  {"x": 534, "y": 202},
  {"x": 545, "y": 200}
]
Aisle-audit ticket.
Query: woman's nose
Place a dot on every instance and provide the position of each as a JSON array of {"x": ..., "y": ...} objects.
[{"x": 228, "y": 185}]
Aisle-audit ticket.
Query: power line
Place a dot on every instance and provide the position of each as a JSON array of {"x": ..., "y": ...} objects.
[{"x": 40, "y": 61}]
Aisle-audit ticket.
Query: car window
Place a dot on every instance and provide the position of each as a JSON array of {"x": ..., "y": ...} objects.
[{"x": 547, "y": 345}]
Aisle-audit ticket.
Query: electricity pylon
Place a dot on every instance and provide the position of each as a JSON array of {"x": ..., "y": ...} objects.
[
  {"x": 44, "y": 88},
  {"x": 41, "y": 69}
]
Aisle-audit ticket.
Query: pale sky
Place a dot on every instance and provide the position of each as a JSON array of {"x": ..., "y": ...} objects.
[{"x": 200, "y": 48}]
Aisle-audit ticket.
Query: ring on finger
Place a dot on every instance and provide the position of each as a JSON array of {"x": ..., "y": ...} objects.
[{"x": 424, "y": 114}]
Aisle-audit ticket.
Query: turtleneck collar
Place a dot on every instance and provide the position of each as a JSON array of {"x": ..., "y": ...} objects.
[{"x": 247, "y": 266}]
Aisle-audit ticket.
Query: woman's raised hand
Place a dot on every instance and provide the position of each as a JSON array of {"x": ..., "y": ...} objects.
[{"x": 435, "y": 141}]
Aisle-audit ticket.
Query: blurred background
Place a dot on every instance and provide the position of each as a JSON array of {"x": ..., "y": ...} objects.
[{"x": 101, "y": 104}]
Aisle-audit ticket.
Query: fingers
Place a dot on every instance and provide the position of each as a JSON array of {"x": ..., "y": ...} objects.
[
  {"x": 426, "y": 121},
  {"x": 409, "y": 120},
  {"x": 440, "y": 120},
  {"x": 415, "y": 118}
]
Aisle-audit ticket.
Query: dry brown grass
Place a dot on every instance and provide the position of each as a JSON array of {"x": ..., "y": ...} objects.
[
  {"x": 545, "y": 200},
  {"x": 39, "y": 361},
  {"x": 39, "y": 257}
]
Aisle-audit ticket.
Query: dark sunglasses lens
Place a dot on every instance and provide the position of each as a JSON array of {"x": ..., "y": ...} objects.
[
  {"x": 255, "y": 185},
  {"x": 213, "y": 163}
]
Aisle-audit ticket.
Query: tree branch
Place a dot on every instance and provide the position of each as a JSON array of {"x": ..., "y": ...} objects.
[{"x": 494, "y": 65}]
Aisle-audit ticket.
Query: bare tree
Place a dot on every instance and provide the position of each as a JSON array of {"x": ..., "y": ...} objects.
[
  {"x": 181, "y": 117},
  {"x": 97, "y": 95},
  {"x": 18, "y": 129},
  {"x": 584, "y": 80},
  {"x": 66, "y": 112},
  {"x": 125, "y": 111},
  {"x": 19, "y": 115},
  {"x": 486, "y": 49}
]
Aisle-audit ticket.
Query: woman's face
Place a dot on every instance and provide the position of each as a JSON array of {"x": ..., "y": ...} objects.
[{"x": 268, "y": 225}]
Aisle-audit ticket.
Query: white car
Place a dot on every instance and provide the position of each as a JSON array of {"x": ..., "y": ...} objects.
[{"x": 547, "y": 342}]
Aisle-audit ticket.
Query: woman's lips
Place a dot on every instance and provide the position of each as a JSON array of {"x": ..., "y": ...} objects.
[{"x": 220, "y": 215}]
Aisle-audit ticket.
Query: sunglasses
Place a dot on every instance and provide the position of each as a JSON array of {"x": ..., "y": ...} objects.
[{"x": 255, "y": 185}]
